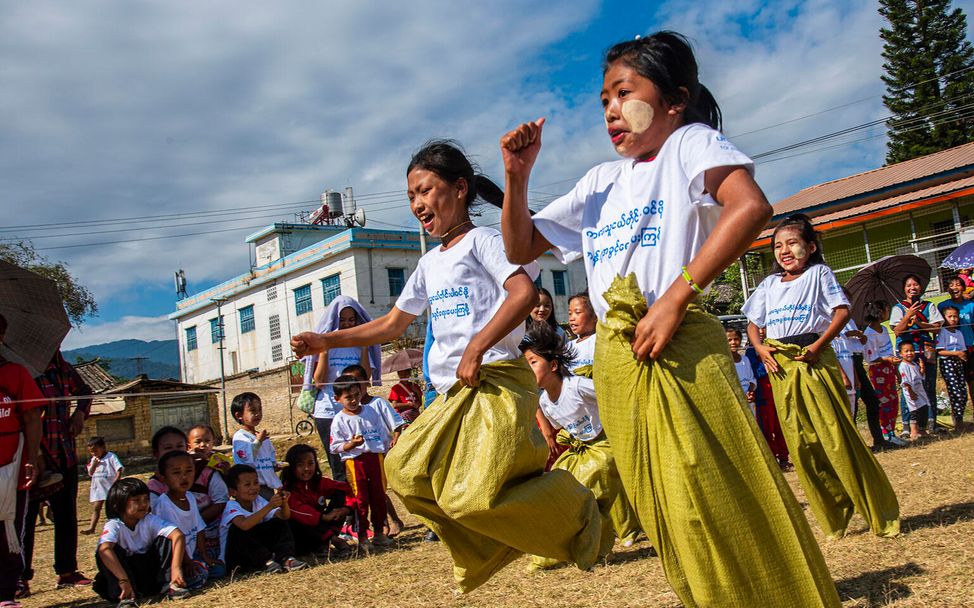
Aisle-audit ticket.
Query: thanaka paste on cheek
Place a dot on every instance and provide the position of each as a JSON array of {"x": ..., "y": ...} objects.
[
  {"x": 798, "y": 250},
  {"x": 638, "y": 114}
]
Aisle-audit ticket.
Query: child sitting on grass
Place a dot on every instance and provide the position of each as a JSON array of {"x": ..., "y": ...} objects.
[
  {"x": 138, "y": 551},
  {"x": 178, "y": 506},
  {"x": 913, "y": 392},
  {"x": 104, "y": 468},
  {"x": 359, "y": 436},
  {"x": 318, "y": 504},
  {"x": 253, "y": 532},
  {"x": 251, "y": 447},
  {"x": 210, "y": 491}
]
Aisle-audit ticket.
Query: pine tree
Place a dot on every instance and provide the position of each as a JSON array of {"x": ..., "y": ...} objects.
[{"x": 929, "y": 77}]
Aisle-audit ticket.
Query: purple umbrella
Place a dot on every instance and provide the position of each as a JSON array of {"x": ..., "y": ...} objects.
[{"x": 960, "y": 258}]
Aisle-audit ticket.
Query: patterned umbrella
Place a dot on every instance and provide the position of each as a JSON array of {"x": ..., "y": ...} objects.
[
  {"x": 960, "y": 258},
  {"x": 883, "y": 280},
  {"x": 402, "y": 359},
  {"x": 35, "y": 317}
]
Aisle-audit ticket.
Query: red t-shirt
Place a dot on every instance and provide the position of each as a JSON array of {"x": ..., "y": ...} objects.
[
  {"x": 15, "y": 385},
  {"x": 405, "y": 395}
]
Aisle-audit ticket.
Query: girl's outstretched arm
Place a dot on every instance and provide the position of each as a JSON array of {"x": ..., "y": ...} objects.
[
  {"x": 522, "y": 295},
  {"x": 746, "y": 212},
  {"x": 519, "y": 148},
  {"x": 388, "y": 326}
]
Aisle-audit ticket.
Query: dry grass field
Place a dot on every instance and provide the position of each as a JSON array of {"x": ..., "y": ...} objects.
[{"x": 930, "y": 564}]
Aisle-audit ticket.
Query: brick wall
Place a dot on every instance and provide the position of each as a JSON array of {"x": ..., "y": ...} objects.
[{"x": 273, "y": 388}]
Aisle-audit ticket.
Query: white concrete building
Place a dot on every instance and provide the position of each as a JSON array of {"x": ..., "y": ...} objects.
[{"x": 299, "y": 269}]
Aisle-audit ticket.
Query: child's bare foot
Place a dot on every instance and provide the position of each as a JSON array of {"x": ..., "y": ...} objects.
[{"x": 394, "y": 527}]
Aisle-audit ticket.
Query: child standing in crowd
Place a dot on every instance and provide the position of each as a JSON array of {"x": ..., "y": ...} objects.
[
  {"x": 359, "y": 435},
  {"x": 882, "y": 368},
  {"x": 251, "y": 447},
  {"x": 104, "y": 468},
  {"x": 842, "y": 347},
  {"x": 254, "y": 534},
  {"x": 210, "y": 491},
  {"x": 677, "y": 210},
  {"x": 406, "y": 396},
  {"x": 582, "y": 320},
  {"x": 913, "y": 391},
  {"x": 165, "y": 440},
  {"x": 965, "y": 309},
  {"x": 138, "y": 552},
  {"x": 952, "y": 350},
  {"x": 318, "y": 504},
  {"x": 767, "y": 414},
  {"x": 487, "y": 500},
  {"x": 394, "y": 424},
  {"x": 802, "y": 308},
  {"x": 178, "y": 506},
  {"x": 742, "y": 366},
  {"x": 568, "y": 402}
]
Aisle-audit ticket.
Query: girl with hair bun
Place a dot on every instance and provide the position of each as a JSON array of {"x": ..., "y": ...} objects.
[
  {"x": 471, "y": 468},
  {"x": 653, "y": 228}
]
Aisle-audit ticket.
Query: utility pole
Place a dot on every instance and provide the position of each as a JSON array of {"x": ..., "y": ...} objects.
[
  {"x": 138, "y": 363},
  {"x": 223, "y": 376},
  {"x": 422, "y": 239}
]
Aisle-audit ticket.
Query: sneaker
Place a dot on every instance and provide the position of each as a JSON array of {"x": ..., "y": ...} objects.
[
  {"x": 381, "y": 540},
  {"x": 75, "y": 579},
  {"x": 898, "y": 442},
  {"x": 11, "y": 604},
  {"x": 431, "y": 537},
  {"x": 23, "y": 590},
  {"x": 176, "y": 592},
  {"x": 272, "y": 567},
  {"x": 126, "y": 603},
  {"x": 291, "y": 564}
]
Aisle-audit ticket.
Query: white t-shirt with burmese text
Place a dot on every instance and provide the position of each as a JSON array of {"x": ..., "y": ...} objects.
[
  {"x": 648, "y": 218},
  {"x": 368, "y": 423},
  {"x": 575, "y": 410},
  {"x": 878, "y": 345},
  {"x": 234, "y": 510},
  {"x": 189, "y": 521},
  {"x": 260, "y": 455},
  {"x": 584, "y": 352},
  {"x": 462, "y": 287},
  {"x": 138, "y": 540},
  {"x": 801, "y": 306}
]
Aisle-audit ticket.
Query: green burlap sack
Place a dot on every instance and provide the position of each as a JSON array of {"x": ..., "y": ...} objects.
[
  {"x": 837, "y": 471},
  {"x": 471, "y": 467},
  {"x": 706, "y": 489},
  {"x": 592, "y": 464},
  {"x": 623, "y": 516}
]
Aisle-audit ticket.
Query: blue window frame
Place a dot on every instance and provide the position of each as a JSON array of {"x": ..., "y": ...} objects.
[
  {"x": 397, "y": 280},
  {"x": 559, "y": 282},
  {"x": 331, "y": 287},
  {"x": 191, "y": 338},
  {"x": 302, "y": 300},
  {"x": 247, "y": 319},
  {"x": 537, "y": 281},
  {"x": 216, "y": 329}
]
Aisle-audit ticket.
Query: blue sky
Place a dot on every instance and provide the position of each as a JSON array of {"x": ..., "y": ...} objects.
[{"x": 116, "y": 110}]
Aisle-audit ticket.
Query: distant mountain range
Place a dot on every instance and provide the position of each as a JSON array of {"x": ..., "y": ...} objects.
[{"x": 162, "y": 358}]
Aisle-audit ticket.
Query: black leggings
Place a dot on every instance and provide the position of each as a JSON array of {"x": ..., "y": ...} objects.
[
  {"x": 868, "y": 396},
  {"x": 147, "y": 572},
  {"x": 252, "y": 549}
]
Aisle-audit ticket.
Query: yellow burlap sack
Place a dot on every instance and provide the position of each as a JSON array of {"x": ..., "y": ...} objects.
[
  {"x": 471, "y": 467},
  {"x": 707, "y": 490},
  {"x": 592, "y": 464},
  {"x": 623, "y": 516},
  {"x": 837, "y": 471}
]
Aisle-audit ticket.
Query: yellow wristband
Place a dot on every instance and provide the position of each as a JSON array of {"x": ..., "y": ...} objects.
[{"x": 689, "y": 280}]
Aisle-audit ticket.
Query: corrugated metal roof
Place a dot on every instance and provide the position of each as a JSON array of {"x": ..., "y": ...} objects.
[
  {"x": 95, "y": 376},
  {"x": 892, "y": 180},
  {"x": 821, "y": 221}
]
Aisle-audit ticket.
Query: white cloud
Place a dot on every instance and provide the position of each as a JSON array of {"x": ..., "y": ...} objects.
[{"x": 126, "y": 328}]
